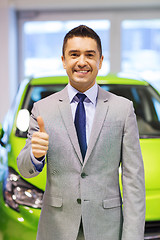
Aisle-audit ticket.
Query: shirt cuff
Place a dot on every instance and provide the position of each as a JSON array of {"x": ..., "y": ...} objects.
[{"x": 37, "y": 164}]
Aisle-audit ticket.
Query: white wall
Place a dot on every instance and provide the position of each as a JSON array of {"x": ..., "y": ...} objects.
[
  {"x": 83, "y": 4},
  {"x": 8, "y": 62},
  {"x": 4, "y": 61}
]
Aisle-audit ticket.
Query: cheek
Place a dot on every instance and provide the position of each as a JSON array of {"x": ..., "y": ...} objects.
[
  {"x": 96, "y": 65},
  {"x": 68, "y": 71},
  {"x": 70, "y": 65}
]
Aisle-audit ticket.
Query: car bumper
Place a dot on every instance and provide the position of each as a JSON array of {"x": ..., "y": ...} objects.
[
  {"x": 18, "y": 225},
  {"x": 152, "y": 230}
]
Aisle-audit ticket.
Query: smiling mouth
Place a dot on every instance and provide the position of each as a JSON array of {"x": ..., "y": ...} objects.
[{"x": 82, "y": 71}]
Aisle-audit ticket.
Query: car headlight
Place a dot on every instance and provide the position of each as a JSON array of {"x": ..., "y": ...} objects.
[{"x": 17, "y": 192}]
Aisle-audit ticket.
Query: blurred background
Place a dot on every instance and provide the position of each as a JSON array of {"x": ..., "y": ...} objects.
[{"x": 31, "y": 35}]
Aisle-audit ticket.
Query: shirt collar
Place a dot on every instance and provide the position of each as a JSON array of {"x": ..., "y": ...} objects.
[{"x": 91, "y": 93}]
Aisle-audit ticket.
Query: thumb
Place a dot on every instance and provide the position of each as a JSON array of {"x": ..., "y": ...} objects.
[{"x": 41, "y": 124}]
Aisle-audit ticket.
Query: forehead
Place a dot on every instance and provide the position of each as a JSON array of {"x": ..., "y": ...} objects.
[{"x": 81, "y": 43}]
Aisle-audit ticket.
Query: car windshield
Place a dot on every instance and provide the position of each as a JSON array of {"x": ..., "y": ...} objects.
[{"x": 145, "y": 99}]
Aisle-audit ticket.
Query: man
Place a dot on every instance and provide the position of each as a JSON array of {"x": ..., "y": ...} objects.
[{"x": 86, "y": 138}]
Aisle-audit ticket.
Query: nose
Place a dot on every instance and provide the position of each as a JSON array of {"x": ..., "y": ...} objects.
[{"x": 82, "y": 61}]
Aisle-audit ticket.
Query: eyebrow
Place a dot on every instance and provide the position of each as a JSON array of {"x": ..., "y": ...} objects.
[
  {"x": 88, "y": 51},
  {"x": 91, "y": 51}
]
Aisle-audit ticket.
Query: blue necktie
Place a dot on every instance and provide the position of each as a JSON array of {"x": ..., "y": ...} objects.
[{"x": 80, "y": 123}]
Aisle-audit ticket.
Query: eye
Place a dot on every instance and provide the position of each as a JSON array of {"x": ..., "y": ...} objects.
[
  {"x": 90, "y": 55},
  {"x": 74, "y": 54}
]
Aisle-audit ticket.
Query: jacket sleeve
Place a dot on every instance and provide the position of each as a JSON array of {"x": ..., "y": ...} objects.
[
  {"x": 24, "y": 161},
  {"x": 133, "y": 181}
]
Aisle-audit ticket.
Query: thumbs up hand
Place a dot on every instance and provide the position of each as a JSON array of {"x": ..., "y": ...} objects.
[{"x": 40, "y": 140}]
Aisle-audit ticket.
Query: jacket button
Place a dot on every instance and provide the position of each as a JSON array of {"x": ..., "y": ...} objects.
[
  {"x": 78, "y": 200},
  {"x": 31, "y": 171},
  {"x": 83, "y": 175}
]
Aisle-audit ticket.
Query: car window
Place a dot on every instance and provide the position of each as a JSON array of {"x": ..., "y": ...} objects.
[{"x": 146, "y": 102}]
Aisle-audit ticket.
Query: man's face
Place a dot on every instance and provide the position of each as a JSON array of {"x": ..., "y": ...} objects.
[{"x": 82, "y": 62}]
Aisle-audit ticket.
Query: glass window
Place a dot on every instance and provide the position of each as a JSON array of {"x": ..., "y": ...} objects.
[
  {"x": 43, "y": 45},
  {"x": 141, "y": 45},
  {"x": 141, "y": 49}
]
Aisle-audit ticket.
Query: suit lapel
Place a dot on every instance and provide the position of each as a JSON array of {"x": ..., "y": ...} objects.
[
  {"x": 100, "y": 115},
  {"x": 66, "y": 113}
]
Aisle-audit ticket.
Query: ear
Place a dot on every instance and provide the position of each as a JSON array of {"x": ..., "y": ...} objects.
[
  {"x": 101, "y": 61},
  {"x": 63, "y": 61}
]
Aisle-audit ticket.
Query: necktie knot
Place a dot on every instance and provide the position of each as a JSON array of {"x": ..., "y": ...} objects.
[{"x": 81, "y": 96}]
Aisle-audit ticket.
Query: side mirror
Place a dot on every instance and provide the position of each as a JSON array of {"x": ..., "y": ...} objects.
[
  {"x": 22, "y": 122},
  {"x": 1, "y": 131}
]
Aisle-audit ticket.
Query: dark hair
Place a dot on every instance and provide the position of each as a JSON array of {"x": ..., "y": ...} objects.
[{"x": 82, "y": 31}]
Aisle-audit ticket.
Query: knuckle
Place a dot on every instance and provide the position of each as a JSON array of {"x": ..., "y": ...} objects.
[
  {"x": 33, "y": 151},
  {"x": 33, "y": 140},
  {"x": 34, "y": 134}
]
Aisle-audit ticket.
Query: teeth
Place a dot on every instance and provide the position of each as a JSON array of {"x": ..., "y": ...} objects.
[{"x": 82, "y": 71}]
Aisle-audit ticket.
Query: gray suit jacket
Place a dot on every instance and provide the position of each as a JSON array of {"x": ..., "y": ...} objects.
[{"x": 114, "y": 140}]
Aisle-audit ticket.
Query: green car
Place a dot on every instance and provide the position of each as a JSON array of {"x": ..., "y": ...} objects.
[{"x": 21, "y": 199}]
